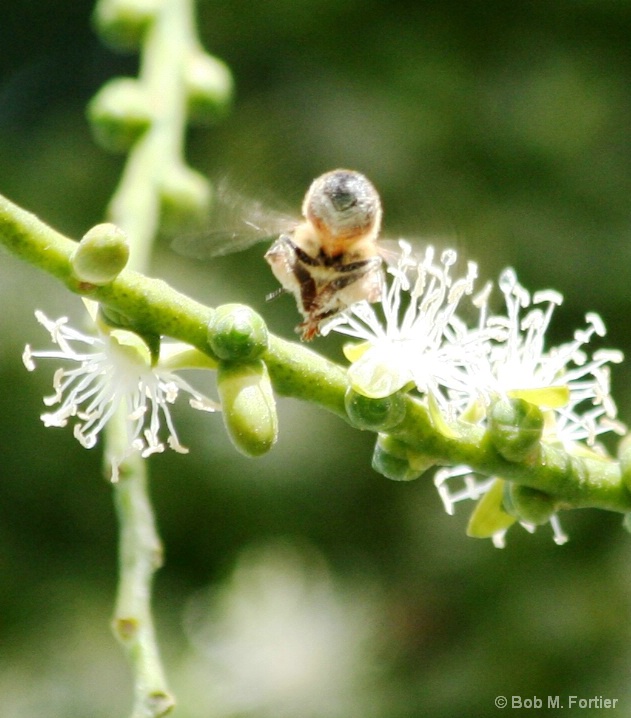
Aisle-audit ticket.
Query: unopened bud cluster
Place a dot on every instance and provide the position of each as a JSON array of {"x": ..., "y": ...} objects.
[{"x": 126, "y": 109}]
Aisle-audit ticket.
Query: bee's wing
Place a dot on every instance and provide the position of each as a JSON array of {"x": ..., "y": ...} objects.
[
  {"x": 389, "y": 251},
  {"x": 217, "y": 243},
  {"x": 240, "y": 222}
]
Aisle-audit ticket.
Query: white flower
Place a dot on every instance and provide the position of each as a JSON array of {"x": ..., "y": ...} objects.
[
  {"x": 112, "y": 370},
  {"x": 419, "y": 339},
  {"x": 571, "y": 388},
  {"x": 280, "y": 639}
]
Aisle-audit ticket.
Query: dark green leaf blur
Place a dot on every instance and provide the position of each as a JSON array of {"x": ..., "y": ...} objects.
[{"x": 303, "y": 583}]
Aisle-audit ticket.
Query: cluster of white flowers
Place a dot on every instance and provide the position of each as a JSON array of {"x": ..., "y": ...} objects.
[
  {"x": 419, "y": 337},
  {"x": 111, "y": 370},
  {"x": 430, "y": 334}
]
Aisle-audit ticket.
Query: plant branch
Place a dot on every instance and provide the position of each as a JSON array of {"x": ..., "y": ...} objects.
[
  {"x": 140, "y": 555},
  {"x": 301, "y": 373},
  {"x": 167, "y": 44},
  {"x": 135, "y": 205}
]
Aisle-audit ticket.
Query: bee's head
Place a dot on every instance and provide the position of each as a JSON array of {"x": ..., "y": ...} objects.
[{"x": 343, "y": 204}]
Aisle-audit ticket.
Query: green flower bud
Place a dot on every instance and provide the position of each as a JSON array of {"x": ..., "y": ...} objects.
[
  {"x": 185, "y": 199},
  {"x": 101, "y": 255},
  {"x": 122, "y": 23},
  {"x": 489, "y": 517},
  {"x": 526, "y": 504},
  {"x": 374, "y": 414},
  {"x": 393, "y": 459},
  {"x": 237, "y": 333},
  {"x": 248, "y": 406},
  {"x": 515, "y": 428},
  {"x": 119, "y": 114},
  {"x": 209, "y": 88}
]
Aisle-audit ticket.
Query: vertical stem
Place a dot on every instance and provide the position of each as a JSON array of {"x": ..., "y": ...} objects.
[
  {"x": 135, "y": 207},
  {"x": 140, "y": 555}
]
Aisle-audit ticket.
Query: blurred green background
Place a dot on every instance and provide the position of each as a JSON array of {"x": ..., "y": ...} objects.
[{"x": 304, "y": 584}]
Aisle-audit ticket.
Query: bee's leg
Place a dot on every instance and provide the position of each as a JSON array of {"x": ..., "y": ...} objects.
[
  {"x": 308, "y": 330},
  {"x": 308, "y": 288},
  {"x": 293, "y": 269},
  {"x": 361, "y": 266},
  {"x": 352, "y": 283},
  {"x": 289, "y": 268}
]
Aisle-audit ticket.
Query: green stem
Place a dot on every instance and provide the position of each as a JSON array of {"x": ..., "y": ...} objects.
[
  {"x": 135, "y": 207},
  {"x": 140, "y": 555},
  {"x": 299, "y": 372},
  {"x": 302, "y": 374},
  {"x": 580, "y": 481}
]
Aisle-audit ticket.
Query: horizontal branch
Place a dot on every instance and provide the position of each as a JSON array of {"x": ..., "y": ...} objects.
[{"x": 153, "y": 307}]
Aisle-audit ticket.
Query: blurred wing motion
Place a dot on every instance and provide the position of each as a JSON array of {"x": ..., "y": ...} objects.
[
  {"x": 389, "y": 251},
  {"x": 240, "y": 223}
]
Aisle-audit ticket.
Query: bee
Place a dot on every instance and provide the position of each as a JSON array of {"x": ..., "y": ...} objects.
[{"x": 331, "y": 259}]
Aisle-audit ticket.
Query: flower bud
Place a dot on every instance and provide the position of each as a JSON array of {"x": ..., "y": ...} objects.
[
  {"x": 185, "y": 198},
  {"x": 489, "y": 517},
  {"x": 248, "y": 406},
  {"x": 374, "y": 414},
  {"x": 515, "y": 428},
  {"x": 122, "y": 23},
  {"x": 101, "y": 255},
  {"x": 527, "y": 504},
  {"x": 119, "y": 114},
  {"x": 394, "y": 460},
  {"x": 237, "y": 333},
  {"x": 209, "y": 88}
]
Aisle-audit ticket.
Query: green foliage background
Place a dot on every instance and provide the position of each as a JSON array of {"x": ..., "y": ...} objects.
[{"x": 502, "y": 127}]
